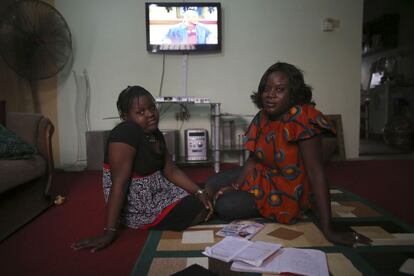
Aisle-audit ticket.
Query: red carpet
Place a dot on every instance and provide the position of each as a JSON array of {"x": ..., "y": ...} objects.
[
  {"x": 386, "y": 183},
  {"x": 43, "y": 246}
]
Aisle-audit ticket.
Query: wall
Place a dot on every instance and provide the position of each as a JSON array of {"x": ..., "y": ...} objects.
[{"x": 109, "y": 42}]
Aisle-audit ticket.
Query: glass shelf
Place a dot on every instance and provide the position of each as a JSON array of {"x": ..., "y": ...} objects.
[{"x": 231, "y": 148}]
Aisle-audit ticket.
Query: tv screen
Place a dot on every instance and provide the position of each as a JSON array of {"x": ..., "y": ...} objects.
[{"x": 183, "y": 27}]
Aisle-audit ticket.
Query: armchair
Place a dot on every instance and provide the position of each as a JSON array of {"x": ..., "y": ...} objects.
[{"x": 25, "y": 183}]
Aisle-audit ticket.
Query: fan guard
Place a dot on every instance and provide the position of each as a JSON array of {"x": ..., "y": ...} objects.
[{"x": 35, "y": 40}]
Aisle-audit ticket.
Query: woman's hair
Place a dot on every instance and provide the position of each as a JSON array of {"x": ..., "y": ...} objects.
[
  {"x": 127, "y": 96},
  {"x": 299, "y": 91}
]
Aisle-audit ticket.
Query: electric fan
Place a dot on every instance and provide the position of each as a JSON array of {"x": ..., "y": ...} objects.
[{"x": 35, "y": 40}]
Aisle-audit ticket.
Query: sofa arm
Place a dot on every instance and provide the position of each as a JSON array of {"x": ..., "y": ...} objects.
[
  {"x": 44, "y": 146},
  {"x": 37, "y": 130},
  {"x": 44, "y": 140}
]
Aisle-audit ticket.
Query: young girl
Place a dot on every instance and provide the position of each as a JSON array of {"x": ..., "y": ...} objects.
[
  {"x": 285, "y": 164},
  {"x": 143, "y": 188}
]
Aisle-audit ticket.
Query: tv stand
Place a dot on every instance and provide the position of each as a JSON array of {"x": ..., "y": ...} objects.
[
  {"x": 95, "y": 141},
  {"x": 214, "y": 130}
]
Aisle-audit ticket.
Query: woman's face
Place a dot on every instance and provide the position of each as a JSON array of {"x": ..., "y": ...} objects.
[
  {"x": 275, "y": 97},
  {"x": 144, "y": 112}
]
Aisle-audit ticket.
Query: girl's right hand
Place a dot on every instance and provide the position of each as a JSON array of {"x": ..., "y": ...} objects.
[
  {"x": 95, "y": 243},
  {"x": 204, "y": 197}
]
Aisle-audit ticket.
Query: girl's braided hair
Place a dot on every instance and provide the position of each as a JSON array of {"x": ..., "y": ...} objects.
[{"x": 127, "y": 96}]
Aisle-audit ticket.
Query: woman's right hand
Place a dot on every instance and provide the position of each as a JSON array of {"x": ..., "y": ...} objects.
[
  {"x": 347, "y": 238},
  {"x": 95, "y": 243},
  {"x": 226, "y": 189}
]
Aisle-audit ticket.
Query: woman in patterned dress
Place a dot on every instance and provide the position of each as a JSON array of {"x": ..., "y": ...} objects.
[
  {"x": 142, "y": 186},
  {"x": 285, "y": 164}
]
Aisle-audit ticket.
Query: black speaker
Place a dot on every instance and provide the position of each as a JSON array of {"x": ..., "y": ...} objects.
[{"x": 95, "y": 147}]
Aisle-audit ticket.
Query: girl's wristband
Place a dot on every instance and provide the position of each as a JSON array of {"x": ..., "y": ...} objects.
[
  {"x": 199, "y": 192},
  {"x": 110, "y": 229}
]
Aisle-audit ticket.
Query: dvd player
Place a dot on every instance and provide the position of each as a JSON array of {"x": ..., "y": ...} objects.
[{"x": 179, "y": 99}]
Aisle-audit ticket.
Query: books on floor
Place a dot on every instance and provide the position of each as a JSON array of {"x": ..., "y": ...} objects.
[
  {"x": 232, "y": 249},
  {"x": 241, "y": 228},
  {"x": 267, "y": 257},
  {"x": 290, "y": 260}
]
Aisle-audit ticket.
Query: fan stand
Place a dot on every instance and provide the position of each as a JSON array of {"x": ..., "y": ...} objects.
[
  {"x": 82, "y": 119},
  {"x": 34, "y": 89}
]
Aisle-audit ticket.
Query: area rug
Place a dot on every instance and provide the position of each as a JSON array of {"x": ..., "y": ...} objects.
[{"x": 168, "y": 252}]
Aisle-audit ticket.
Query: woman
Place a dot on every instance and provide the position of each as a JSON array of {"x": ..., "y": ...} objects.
[
  {"x": 285, "y": 163},
  {"x": 143, "y": 188}
]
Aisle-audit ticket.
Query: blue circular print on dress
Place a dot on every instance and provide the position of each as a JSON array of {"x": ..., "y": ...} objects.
[
  {"x": 293, "y": 113},
  {"x": 257, "y": 191},
  {"x": 259, "y": 153},
  {"x": 298, "y": 192},
  {"x": 279, "y": 156},
  {"x": 291, "y": 172},
  {"x": 275, "y": 198}
]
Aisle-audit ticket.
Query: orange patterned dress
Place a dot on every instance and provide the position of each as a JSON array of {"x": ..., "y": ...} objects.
[{"x": 279, "y": 182}]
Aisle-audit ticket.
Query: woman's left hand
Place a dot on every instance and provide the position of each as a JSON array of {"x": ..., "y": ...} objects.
[{"x": 347, "y": 238}]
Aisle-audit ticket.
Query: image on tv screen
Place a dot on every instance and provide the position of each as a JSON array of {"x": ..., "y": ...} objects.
[{"x": 182, "y": 27}]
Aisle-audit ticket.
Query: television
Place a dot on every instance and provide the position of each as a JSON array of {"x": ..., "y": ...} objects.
[{"x": 183, "y": 27}]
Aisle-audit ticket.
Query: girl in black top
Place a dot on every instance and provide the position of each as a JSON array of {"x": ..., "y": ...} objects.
[{"x": 143, "y": 188}]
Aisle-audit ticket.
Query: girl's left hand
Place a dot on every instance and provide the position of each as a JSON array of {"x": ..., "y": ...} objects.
[
  {"x": 95, "y": 243},
  {"x": 347, "y": 238}
]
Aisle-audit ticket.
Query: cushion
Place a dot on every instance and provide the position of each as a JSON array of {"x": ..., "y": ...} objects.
[
  {"x": 12, "y": 147},
  {"x": 14, "y": 173}
]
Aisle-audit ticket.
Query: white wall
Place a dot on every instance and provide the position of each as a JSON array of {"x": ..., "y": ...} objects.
[{"x": 109, "y": 42}]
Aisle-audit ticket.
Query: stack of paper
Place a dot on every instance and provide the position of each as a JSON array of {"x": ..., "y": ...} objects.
[
  {"x": 266, "y": 257},
  {"x": 293, "y": 260},
  {"x": 231, "y": 249}
]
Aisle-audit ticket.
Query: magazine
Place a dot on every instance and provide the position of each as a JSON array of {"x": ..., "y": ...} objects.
[
  {"x": 240, "y": 249},
  {"x": 241, "y": 228}
]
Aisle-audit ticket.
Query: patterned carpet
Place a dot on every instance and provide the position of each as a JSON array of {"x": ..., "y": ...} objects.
[{"x": 168, "y": 252}]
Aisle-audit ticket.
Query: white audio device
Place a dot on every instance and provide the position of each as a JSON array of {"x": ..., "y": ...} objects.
[{"x": 196, "y": 144}]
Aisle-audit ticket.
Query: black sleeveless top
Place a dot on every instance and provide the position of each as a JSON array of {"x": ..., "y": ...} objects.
[{"x": 147, "y": 159}]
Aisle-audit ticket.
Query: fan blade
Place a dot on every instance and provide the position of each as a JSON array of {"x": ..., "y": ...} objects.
[{"x": 35, "y": 40}]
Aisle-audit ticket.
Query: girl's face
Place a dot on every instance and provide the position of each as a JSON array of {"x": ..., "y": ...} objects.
[
  {"x": 144, "y": 112},
  {"x": 275, "y": 97}
]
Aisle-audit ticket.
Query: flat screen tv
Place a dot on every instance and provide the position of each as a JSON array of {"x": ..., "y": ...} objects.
[{"x": 183, "y": 27}]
